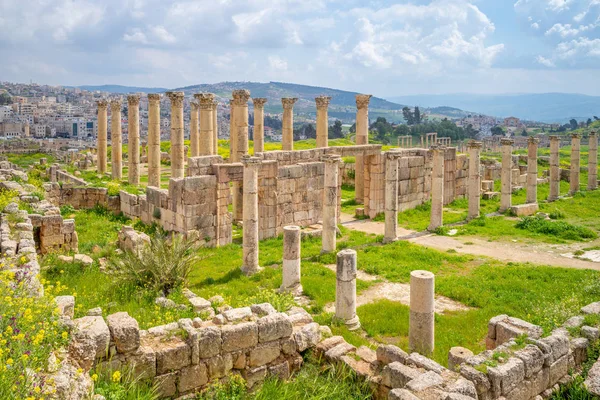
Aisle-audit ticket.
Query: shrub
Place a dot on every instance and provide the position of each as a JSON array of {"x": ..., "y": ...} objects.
[
  {"x": 67, "y": 209},
  {"x": 560, "y": 229},
  {"x": 556, "y": 214},
  {"x": 280, "y": 301},
  {"x": 113, "y": 187},
  {"x": 162, "y": 265},
  {"x": 118, "y": 385},
  {"x": 479, "y": 221},
  {"x": 7, "y": 197}
]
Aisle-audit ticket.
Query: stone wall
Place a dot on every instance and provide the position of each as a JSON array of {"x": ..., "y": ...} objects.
[
  {"x": 184, "y": 356},
  {"x": 54, "y": 233},
  {"x": 81, "y": 197}
]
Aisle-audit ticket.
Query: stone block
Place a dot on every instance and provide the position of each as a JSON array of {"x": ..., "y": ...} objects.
[
  {"x": 592, "y": 308},
  {"x": 172, "y": 355},
  {"x": 335, "y": 353},
  {"x": 219, "y": 366},
  {"x": 558, "y": 369},
  {"x": 388, "y": 353},
  {"x": 281, "y": 370},
  {"x": 401, "y": 394},
  {"x": 95, "y": 333},
  {"x": 533, "y": 359},
  {"x": 239, "y": 337},
  {"x": 192, "y": 377},
  {"x": 425, "y": 381},
  {"x": 273, "y": 327},
  {"x": 558, "y": 343},
  {"x": 254, "y": 375},
  {"x": 142, "y": 362},
  {"x": 166, "y": 384},
  {"x": 66, "y": 305},
  {"x": 209, "y": 341},
  {"x": 397, "y": 375},
  {"x": 125, "y": 332},
  {"x": 309, "y": 336},
  {"x": 426, "y": 363},
  {"x": 505, "y": 377},
  {"x": 523, "y": 210},
  {"x": 264, "y": 353}
]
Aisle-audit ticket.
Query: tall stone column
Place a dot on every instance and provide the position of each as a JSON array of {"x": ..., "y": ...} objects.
[
  {"x": 391, "y": 197},
  {"x": 205, "y": 140},
  {"x": 474, "y": 189},
  {"x": 362, "y": 137},
  {"x": 154, "y": 140},
  {"x": 133, "y": 127},
  {"x": 250, "y": 228},
  {"x": 102, "y": 135},
  {"x": 215, "y": 128},
  {"x": 177, "y": 145},
  {"x": 194, "y": 130},
  {"x": 259, "y": 124},
  {"x": 421, "y": 326},
  {"x": 322, "y": 120},
  {"x": 291, "y": 260},
  {"x": 506, "y": 175},
  {"x": 116, "y": 140},
  {"x": 345, "y": 289},
  {"x": 554, "y": 168},
  {"x": 240, "y": 132},
  {"x": 330, "y": 193},
  {"x": 437, "y": 188},
  {"x": 575, "y": 163},
  {"x": 232, "y": 132},
  {"x": 287, "y": 130},
  {"x": 593, "y": 162},
  {"x": 532, "y": 169}
]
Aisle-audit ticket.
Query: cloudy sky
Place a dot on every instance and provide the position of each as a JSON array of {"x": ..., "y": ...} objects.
[{"x": 383, "y": 47}]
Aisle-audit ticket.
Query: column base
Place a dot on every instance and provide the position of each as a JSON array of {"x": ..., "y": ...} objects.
[
  {"x": 432, "y": 228},
  {"x": 389, "y": 240},
  {"x": 249, "y": 271},
  {"x": 294, "y": 290},
  {"x": 352, "y": 324}
]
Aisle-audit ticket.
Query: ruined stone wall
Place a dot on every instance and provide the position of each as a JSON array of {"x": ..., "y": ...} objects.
[
  {"x": 81, "y": 197},
  {"x": 414, "y": 178},
  {"x": 54, "y": 233}
]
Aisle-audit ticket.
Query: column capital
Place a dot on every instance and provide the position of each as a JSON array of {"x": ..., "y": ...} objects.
[
  {"x": 473, "y": 144},
  {"x": 215, "y": 103},
  {"x": 593, "y": 133},
  {"x": 205, "y": 100},
  {"x": 288, "y": 102},
  {"x": 102, "y": 104},
  {"x": 575, "y": 136},
  {"x": 554, "y": 138},
  {"x": 153, "y": 97},
  {"x": 133, "y": 100},
  {"x": 322, "y": 101},
  {"x": 115, "y": 105},
  {"x": 392, "y": 154},
  {"x": 176, "y": 98},
  {"x": 437, "y": 148},
  {"x": 259, "y": 102},
  {"x": 194, "y": 106},
  {"x": 331, "y": 158},
  {"x": 250, "y": 161},
  {"x": 362, "y": 100},
  {"x": 533, "y": 140},
  {"x": 241, "y": 97},
  {"x": 507, "y": 142}
]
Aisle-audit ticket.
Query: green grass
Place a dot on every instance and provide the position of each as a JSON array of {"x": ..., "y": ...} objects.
[
  {"x": 560, "y": 229},
  {"x": 25, "y": 160}
]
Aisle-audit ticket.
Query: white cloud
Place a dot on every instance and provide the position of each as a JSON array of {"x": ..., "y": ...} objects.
[
  {"x": 566, "y": 30},
  {"x": 136, "y": 36},
  {"x": 535, "y": 26},
  {"x": 163, "y": 35},
  {"x": 278, "y": 63},
  {"x": 545, "y": 62}
]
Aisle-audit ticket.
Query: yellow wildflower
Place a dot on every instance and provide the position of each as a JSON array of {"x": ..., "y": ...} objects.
[{"x": 116, "y": 377}]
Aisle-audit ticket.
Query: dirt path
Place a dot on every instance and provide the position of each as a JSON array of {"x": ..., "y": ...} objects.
[{"x": 539, "y": 254}]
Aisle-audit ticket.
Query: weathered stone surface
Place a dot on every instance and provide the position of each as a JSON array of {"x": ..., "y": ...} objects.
[
  {"x": 590, "y": 333},
  {"x": 522, "y": 210},
  {"x": 592, "y": 308},
  {"x": 558, "y": 369},
  {"x": 592, "y": 382},
  {"x": 457, "y": 356},
  {"x": 219, "y": 366},
  {"x": 199, "y": 304},
  {"x": 389, "y": 353},
  {"x": 425, "y": 363},
  {"x": 558, "y": 343},
  {"x": 264, "y": 353},
  {"x": 209, "y": 341},
  {"x": 263, "y": 309},
  {"x": 366, "y": 354},
  {"x": 273, "y": 327},
  {"x": 93, "y": 335},
  {"x": 238, "y": 314},
  {"x": 83, "y": 259},
  {"x": 338, "y": 351},
  {"x": 463, "y": 387},
  {"x": 506, "y": 376},
  {"x": 397, "y": 375},
  {"x": 125, "y": 331},
  {"x": 192, "y": 377},
  {"x": 143, "y": 362},
  {"x": 425, "y": 381},
  {"x": 481, "y": 381},
  {"x": 574, "y": 322},
  {"x": 533, "y": 359},
  {"x": 239, "y": 337},
  {"x": 66, "y": 305},
  {"x": 166, "y": 384},
  {"x": 308, "y": 336},
  {"x": 254, "y": 375},
  {"x": 172, "y": 355},
  {"x": 281, "y": 370},
  {"x": 401, "y": 394},
  {"x": 579, "y": 348}
]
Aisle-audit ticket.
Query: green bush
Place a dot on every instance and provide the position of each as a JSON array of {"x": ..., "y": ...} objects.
[
  {"x": 163, "y": 265},
  {"x": 67, "y": 209},
  {"x": 557, "y": 214},
  {"x": 7, "y": 197},
  {"x": 560, "y": 229}
]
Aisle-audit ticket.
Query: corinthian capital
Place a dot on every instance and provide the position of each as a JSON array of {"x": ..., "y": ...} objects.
[
  {"x": 362, "y": 100},
  {"x": 506, "y": 142},
  {"x": 153, "y": 97},
  {"x": 288, "y": 102},
  {"x": 205, "y": 100},
  {"x": 241, "y": 97},
  {"x": 176, "y": 98},
  {"x": 133, "y": 100},
  {"x": 102, "y": 104},
  {"x": 322, "y": 101},
  {"x": 115, "y": 105},
  {"x": 194, "y": 106},
  {"x": 259, "y": 102}
]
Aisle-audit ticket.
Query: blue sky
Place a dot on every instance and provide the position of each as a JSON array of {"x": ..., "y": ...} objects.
[{"x": 388, "y": 48}]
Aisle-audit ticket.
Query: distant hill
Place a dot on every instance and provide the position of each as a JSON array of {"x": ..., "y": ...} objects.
[
  {"x": 121, "y": 89},
  {"x": 546, "y": 107}
]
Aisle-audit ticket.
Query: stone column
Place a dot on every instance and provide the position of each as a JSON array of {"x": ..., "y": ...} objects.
[
  {"x": 250, "y": 228},
  {"x": 205, "y": 139},
  {"x": 232, "y": 132},
  {"x": 154, "y": 140},
  {"x": 116, "y": 140},
  {"x": 391, "y": 197},
  {"x": 506, "y": 175},
  {"x": 322, "y": 120},
  {"x": 532, "y": 169},
  {"x": 287, "y": 141},
  {"x": 240, "y": 100},
  {"x": 437, "y": 188},
  {"x": 421, "y": 326},
  {"x": 474, "y": 189},
  {"x": 554, "y": 168},
  {"x": 133, "y": 127},
  {"x": 194, "y": 130},
  {"x": 102, "y": 135},
  {"x": 362, "y": 137},
  {"x": 575, "y": 163},
  {"x": 177, "y": 146},
  {"x": 330, "y": 194},
  {"x": 215, "y": 128},
  {"x": 259, "y": 124},
  {"x": 345, "y": 289},
  {"x": 291, "y": 260},
  {"x": 593, "y": 162}
]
